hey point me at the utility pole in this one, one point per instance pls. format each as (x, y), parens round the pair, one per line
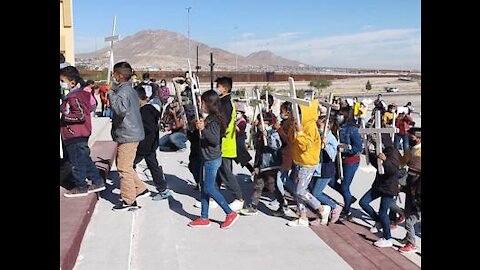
(188, 30)
(211, 70)
(197, 67)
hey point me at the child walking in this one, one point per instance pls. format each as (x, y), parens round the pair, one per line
(267, 160)
(76, 128)
(211, 130)
(147, 147)
(306, 153)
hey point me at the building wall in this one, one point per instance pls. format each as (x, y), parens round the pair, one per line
(66, 31)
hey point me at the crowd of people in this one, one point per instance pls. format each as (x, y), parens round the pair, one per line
(301, 156)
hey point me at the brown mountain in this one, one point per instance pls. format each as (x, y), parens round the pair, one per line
(167, 50)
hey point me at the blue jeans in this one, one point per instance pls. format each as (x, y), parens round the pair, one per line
(82, 165)
(317, 191)
(344, 188)
(382, 215)
(208, 188)
(404, 139)
(169, 142)
(107, 112)
(282, 177)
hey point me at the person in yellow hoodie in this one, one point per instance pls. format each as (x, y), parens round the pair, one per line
(306, 155)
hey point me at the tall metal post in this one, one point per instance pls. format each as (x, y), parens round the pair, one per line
(211, 70)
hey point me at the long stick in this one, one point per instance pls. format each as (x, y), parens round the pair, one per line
(339, 159)
(261, 118)
(296, 113)
(378, 124)
(192, 88)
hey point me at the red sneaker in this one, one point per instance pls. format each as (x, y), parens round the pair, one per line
(408, 248)
(400, 220)
(229, 220)
(199, 222)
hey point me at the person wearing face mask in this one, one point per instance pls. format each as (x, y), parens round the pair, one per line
(229, 143)
(267, 162)
(403, 123)
(413, 202)
(128, 132)
(283, 128)
(325, 172)
(164, 92)
(306, 156)
(76, 128)
(243, 157)
(386, 187)
(350, 147)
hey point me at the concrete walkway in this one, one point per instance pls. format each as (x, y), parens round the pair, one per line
(157, 236)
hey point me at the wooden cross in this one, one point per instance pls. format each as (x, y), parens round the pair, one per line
(259, 103)
(194, 88)
(329, 104)
(377, 131)
(111, 39)
(294, 100)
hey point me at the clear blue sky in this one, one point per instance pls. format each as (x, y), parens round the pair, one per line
(335, 33)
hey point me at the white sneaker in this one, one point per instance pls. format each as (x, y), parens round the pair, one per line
(211, 204)
(383, 243)
(325, 214)
(236, 205)
(298, 223)
(274, 203)
(376, 227)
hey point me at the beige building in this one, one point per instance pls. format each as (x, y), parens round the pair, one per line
(66, 31)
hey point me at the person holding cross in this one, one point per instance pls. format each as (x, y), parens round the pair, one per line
(413, 201)
(385, 187)
(350, 147)
(229, 142)
(306, 155)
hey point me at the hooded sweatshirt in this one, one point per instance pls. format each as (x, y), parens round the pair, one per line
(306, 143)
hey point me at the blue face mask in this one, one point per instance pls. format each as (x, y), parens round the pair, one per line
(340, 119)
(217, 91)
(268, 128)
(63, 85)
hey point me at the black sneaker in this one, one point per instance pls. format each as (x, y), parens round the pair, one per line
(346, 216)
(145, 193)
(96, 188)
(76, 192)
(122, 206)
(279, 212)
(250, 210)
(353, 200)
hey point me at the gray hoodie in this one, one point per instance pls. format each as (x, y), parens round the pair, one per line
(127, 123)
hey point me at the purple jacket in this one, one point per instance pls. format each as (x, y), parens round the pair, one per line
(76, 120)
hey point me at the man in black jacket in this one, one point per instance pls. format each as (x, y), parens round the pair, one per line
(385, 186)
(147, 148)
